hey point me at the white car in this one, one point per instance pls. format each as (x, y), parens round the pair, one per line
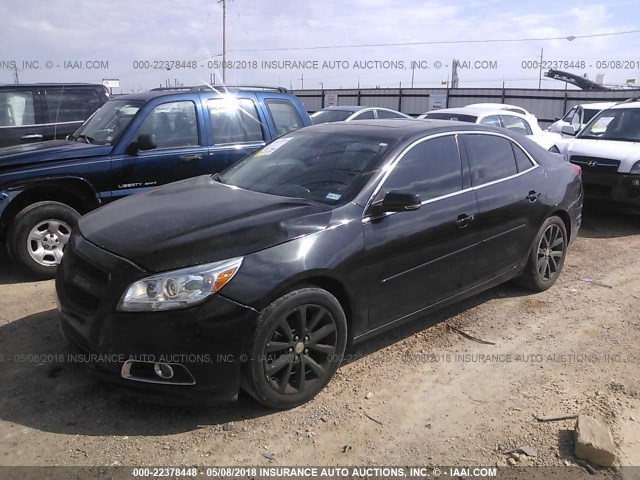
(579, 116)
(344, 113)
(502, 118)
(608, 150)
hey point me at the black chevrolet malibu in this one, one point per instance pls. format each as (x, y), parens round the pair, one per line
(259, 277)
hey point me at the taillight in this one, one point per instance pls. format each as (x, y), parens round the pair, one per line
(577, 169)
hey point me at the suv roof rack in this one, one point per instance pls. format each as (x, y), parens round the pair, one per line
(166, 89)
(201, 88)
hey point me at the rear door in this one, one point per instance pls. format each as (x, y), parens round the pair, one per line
(66, 108)
(422, 257)
(234, 129)
(507, 183)
(19, 117)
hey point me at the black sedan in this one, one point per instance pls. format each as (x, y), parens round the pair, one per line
(260, 276)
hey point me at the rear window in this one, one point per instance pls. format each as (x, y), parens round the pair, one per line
(492, 158)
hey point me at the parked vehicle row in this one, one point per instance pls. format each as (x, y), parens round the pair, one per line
(275, 246)
(131, 144)
(344, 113)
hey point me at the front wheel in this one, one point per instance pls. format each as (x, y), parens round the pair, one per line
(546, 257)
(297, 347)
(39, 235)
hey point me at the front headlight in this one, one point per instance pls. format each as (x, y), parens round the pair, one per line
(180, 288)
(636, 167)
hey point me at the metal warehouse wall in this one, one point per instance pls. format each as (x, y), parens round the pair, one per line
(544, 104)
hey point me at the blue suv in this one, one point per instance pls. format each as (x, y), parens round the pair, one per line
(131, 144)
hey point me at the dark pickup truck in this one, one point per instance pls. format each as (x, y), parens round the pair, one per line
(131, 144)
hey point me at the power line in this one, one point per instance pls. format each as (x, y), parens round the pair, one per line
(438, 42)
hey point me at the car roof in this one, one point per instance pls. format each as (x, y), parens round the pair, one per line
(8, 86)
(348, 108)
(597, 105)
(476, 111)
(631, 103)
(401, 128)
(498, 106)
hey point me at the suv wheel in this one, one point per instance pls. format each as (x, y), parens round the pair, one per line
(297, 347)
(38, 236)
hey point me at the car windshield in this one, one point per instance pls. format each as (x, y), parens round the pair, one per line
(614, 124)
(328, 167)
(107, 123)
(451, 116)
(328, 116)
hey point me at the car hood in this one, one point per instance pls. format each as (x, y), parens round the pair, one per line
(545, 139)
(32, 153)
(627, 152)
(199, 221)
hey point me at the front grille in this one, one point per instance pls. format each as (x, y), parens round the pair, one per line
(595, 164)
(85, 284)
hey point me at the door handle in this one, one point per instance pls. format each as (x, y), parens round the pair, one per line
(31, 136)
(533, 196)
(464, 220)
(189, 158)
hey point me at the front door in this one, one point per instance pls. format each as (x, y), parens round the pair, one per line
(180, 152)
(420, 258)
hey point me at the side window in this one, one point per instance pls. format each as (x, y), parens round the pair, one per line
(366, 115)
(388, 114)
(284, 116)
(569, 115)
(16, 109)
(70, 105)
(174, 125)
(576, 121)
(492, 158)
(431, 169)
(515, 124)
(492, 120)
(234, 120)
(522, 160)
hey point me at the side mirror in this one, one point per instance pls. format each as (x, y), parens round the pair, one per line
(146, 141)
(568, 130)
(396, 202)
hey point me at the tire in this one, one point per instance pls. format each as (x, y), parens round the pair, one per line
(287, 363)
(38, 236)
(546, 257)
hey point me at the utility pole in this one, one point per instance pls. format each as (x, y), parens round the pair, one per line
(413, 71)
(454, 74)
(540, 74)
(302, 81)
(16, 79)
(224, 39)
(321, 85)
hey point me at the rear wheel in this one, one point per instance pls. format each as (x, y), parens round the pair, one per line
(297, 347)
(546, 257)
(39, 235)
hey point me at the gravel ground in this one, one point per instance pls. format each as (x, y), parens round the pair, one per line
(422, 395)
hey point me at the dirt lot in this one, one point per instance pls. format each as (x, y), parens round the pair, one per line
(424, 395)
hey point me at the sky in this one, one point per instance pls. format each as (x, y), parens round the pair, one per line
(146, 44)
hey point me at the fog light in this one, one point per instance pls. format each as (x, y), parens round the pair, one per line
(635, 182)
(163, 370)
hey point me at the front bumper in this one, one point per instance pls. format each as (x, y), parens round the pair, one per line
(622, 189)
(203, 346)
